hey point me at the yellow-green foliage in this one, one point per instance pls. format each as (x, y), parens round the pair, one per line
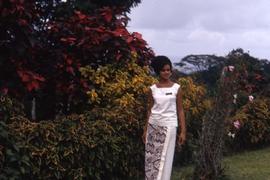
(8, 108)
(75, 147)
(194, 98)
(117, 84)
(118, 96)
(13, 163)
(118, 89)
(255, 122)
(195, 104)
(97, 144)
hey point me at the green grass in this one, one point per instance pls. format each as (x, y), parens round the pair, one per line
(250, 165)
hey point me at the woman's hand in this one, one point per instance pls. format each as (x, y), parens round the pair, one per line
(181, 138)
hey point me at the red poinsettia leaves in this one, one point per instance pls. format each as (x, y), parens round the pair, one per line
(132, 49)
(70, 70)
(32, 80)
(108, 17)
(19, 7)
(95, 40)
(118, 56)
(107, 14)
(121, 32)
(137, 35)
(4, 91)
(69, 61)
(84, 83)
(80, 15)
(100, 29)
(129, 39)
(25, 76)
(258, 77)
(22, 22)
(39, 78)
(34, 85)
(249, 87)
(70, 40)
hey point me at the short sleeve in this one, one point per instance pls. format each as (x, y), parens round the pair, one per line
(152, 87)
(177, 86)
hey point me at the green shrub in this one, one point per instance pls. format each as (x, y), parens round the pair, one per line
(195, 104)
(14, 164)
(254, 118)
(78, 147)
(8, 108)
(102, 143)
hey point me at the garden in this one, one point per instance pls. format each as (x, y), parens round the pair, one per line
(73, 86)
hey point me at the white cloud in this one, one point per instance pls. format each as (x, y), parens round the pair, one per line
(206, 36)
(179, 28)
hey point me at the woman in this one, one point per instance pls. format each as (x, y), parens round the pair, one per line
(165, 114)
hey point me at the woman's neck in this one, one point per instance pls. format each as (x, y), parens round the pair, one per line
(164, 81)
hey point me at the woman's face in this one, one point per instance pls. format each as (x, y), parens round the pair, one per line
(165, 72)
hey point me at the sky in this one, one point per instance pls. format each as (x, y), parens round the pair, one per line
(177, 28)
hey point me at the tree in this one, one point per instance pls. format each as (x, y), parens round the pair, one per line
(200, 62)
(208, 165)
(242, 76)
(43, 50)
(255, 75)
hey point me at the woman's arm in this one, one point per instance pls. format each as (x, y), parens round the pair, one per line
(181, 118)
(150, 103)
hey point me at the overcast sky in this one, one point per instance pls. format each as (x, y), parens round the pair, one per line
(177, 28)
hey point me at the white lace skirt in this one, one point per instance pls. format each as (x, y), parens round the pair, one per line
(159, 152)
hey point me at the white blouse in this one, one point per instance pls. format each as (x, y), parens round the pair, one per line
(164, 111)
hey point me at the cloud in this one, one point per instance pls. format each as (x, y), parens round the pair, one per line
(180, 28)
(206, 36)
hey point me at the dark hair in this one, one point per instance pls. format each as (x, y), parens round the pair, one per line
(158, 62)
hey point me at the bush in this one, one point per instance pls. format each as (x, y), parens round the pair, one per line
(76, 147)
(117, 95)
(254, 118)
(14, 164)
(9, 108)
(195, 104)
(102, 143)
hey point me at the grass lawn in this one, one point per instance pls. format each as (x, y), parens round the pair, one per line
(250, 165)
